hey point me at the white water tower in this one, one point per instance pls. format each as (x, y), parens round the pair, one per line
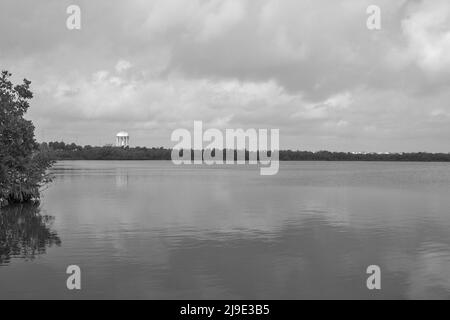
(122, 139)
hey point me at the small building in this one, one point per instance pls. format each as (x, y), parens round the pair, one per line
(122, 139)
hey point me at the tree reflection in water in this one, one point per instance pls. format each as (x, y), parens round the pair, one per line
(25, 233)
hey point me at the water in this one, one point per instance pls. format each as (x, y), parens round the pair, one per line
(153, 230)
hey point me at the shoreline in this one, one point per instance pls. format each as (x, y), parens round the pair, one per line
(287, 161)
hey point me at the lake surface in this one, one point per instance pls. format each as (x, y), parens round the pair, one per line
(152, 230)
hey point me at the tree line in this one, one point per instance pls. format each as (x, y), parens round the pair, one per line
(63, 151)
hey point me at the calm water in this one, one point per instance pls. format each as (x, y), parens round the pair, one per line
(153, 230)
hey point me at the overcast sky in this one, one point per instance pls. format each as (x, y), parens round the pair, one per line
(308, 67)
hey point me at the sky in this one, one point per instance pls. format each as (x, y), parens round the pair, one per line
(310, 68)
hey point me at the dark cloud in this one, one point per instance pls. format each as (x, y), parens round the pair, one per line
(310, 68)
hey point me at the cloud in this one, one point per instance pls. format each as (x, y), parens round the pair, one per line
(310, 68)
(427, 31)
(122, 65)
(110, 94)
(198, 20)
(222, 18)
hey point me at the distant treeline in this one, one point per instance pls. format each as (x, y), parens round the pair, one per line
(63, 151)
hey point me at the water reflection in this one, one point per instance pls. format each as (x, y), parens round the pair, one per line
(152, 230)
(311, 258)
(121, 179)
(25, 233)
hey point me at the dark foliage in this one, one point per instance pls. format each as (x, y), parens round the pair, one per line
(23, 164)
(62, 151)
(24, 232)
